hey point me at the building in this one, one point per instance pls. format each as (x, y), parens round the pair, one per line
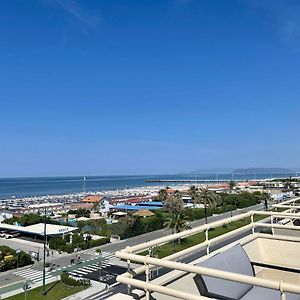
(92, 199)
(37, 230)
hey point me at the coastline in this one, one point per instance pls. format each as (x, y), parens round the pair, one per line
(41, 189)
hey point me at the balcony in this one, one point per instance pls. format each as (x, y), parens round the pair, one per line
(272, 253)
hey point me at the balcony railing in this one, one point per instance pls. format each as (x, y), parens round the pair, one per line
(130, 255)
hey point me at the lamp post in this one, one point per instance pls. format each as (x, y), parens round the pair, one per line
(17, 254)
(100, 265)
(205, 209)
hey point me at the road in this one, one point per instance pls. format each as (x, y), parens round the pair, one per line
(160, 233)
(121, 288)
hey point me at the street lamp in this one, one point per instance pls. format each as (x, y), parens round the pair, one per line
(17, 254)
(100, 265)
(205, 209)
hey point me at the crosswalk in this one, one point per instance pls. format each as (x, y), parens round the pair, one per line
(90, 266)
(33, 275)
(104, 254)
(100, 295)
(85, 270)
(108, 255)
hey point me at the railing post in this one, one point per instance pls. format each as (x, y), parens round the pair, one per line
(147, 273)
(272, 222)
(252, 223)
(206, 240)
(129, 271)
(282, 292)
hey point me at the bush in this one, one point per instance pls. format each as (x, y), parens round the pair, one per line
(66, 279)
(30, 219)
(60, 244)
(23, 259)
(99, 242)
(20, 259)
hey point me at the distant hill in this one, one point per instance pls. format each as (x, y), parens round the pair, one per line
(262, 171)
(208, 171)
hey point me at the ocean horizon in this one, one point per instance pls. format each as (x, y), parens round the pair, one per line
(42, 186)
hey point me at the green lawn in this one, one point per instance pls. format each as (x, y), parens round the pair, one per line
(56, 290)
(170, 248)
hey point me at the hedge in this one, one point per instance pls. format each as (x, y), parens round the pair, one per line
(57, 243)
(66, 279)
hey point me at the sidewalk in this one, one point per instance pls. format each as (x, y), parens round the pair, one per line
(19, 287)
(96, 287)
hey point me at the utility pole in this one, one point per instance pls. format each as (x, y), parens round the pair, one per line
(44, 263)
(100, 267)
(205, 209)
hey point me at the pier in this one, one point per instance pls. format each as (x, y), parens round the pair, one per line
(200, 180)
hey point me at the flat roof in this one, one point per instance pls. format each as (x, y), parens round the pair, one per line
(120, 213)
(38, 229)
(44, 205)
(135, 207)
(150, 203)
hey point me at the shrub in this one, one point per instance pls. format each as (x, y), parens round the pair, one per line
(99, 242)
(23, 259)
(66, 279)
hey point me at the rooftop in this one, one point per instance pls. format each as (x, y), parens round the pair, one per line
(38, 229)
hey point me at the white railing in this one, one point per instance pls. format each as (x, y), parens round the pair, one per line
(129, 254)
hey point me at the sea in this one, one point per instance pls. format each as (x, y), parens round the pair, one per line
(43, 186)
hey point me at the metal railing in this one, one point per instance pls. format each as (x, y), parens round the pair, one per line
(129, 254)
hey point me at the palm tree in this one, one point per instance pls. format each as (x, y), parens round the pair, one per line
(162, 195)
(266, 197)
(194, 194)
(288, 185)
(232, 184)
(174, 203)
(177, 223)
(209, 199)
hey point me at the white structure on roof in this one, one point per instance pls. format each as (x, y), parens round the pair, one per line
(38, 229)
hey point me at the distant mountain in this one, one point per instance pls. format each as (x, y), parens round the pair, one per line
(208, 171)
(262, 171)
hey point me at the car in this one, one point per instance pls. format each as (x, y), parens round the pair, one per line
(2, 233)
(12, 234)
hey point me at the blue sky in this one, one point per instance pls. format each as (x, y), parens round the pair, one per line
(140, 87)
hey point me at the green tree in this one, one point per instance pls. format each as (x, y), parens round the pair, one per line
(195, 195)
(177, 223)
(210, 199)
(232, 184)
(162, 195)
(174, 203)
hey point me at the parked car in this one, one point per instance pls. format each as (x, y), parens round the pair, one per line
(12, 234)
(2, 233)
